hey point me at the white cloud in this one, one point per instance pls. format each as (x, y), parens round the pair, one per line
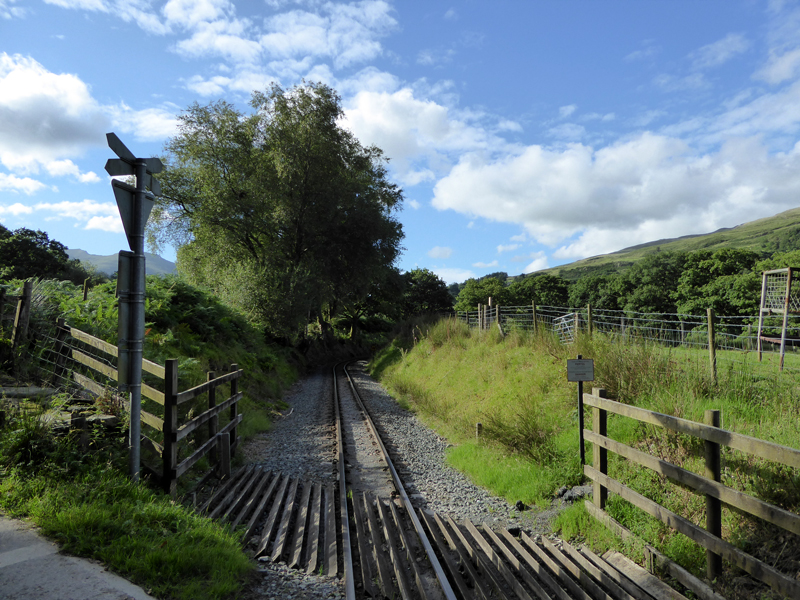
(720, 52)
(26, 185)
(111, 224)
(598, 117)
(98, 5)
(49, 119)
(15, 209)
(80, 211)
(440, 252)
(643, 188)
(414, 204)
(567, 131)
(453, 275)
(483, 265)
(88, 214)
(671, 83)
(44, 116)
(507, 125)
(648, 51)
(62, 168)
(9, 11)
(421, 137)
(150, 124)
(451, 14)
(506, 248)
(780, 67)
(346, 33)
(783, 62)
(435, 56)
(539, 262)
(566, 111)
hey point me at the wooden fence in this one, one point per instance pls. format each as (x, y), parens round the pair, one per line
(22, 314)
(715, 492)
(219, 443)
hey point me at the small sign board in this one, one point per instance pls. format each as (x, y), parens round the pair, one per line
(580, 369)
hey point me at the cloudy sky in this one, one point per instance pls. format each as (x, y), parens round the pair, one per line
(525, 133)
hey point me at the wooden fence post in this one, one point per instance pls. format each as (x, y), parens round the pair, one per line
(499, 321)
(599, 454)
(713, 505)
(213, 422)
(533, 304)
(224, 451)
(589, 319)
(23, 314)
(712, 351)
(85, 289)
(169, 479)
(234, 407)
(61, 351)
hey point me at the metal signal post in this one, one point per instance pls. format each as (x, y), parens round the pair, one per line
(135, 204)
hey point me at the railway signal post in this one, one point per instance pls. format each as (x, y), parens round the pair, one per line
(135, 204)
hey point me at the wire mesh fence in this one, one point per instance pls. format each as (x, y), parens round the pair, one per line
(735, 337)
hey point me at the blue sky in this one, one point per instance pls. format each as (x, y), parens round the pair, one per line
(525, 134)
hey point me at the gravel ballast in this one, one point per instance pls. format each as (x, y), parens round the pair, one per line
(302, 443)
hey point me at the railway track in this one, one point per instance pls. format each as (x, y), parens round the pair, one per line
(368, 532)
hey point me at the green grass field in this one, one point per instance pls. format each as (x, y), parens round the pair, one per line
(517, 388)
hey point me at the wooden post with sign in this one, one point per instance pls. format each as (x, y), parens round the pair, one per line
(580, 370)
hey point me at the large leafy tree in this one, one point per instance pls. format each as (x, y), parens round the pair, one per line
(282, 211)
(477, 292)
(544, 289)
(597, 289)
(649, 285)
(723, 280)
(425, 292)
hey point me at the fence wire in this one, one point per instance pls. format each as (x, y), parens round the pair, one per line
(735, 337)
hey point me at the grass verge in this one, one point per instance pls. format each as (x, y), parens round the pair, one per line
(84, 501)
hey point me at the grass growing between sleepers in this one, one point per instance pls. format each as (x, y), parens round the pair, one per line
(515, 386)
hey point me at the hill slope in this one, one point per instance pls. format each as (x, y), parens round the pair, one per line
(779, 233)
(154, 264)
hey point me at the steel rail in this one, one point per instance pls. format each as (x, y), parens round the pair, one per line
(349, 582)
(447, 589)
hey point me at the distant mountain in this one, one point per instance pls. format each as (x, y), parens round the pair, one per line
(779, 233)
(154, 264)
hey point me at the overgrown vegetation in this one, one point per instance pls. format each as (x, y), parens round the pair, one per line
(80, 496)
(516, 387)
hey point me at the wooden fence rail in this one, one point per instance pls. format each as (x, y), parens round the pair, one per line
(220, 443)
(709, 485)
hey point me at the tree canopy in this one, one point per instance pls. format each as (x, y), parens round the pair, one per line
(425, 292)
(27, 253)
(282, 211)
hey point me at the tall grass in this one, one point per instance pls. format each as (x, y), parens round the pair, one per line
(516, 387)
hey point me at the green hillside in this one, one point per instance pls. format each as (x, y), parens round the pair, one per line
(780, 233)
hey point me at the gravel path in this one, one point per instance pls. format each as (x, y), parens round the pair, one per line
(303, 443)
